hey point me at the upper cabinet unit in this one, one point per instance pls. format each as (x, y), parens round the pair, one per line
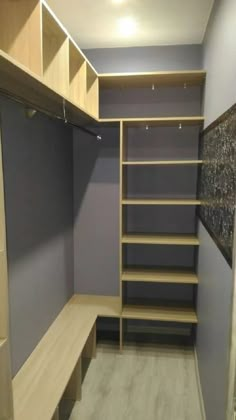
(55, 54)
(20, 34)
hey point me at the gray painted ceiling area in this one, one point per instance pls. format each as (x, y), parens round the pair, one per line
(130, 23)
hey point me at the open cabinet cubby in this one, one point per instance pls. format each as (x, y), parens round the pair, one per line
(55, 54)
(77, 74)
(20, 35)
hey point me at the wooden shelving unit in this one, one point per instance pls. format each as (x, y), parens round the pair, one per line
(164, 312)
(92, 96)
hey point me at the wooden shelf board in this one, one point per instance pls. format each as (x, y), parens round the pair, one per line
(160, 202)
(160, 313)
(159, 276)
(164, 78)
(163, 162)
(163, 121)
(104, 306)
(160, 239)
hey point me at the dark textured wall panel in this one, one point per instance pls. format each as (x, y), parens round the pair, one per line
(218, 180)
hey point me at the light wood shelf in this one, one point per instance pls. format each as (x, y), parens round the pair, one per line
(77, 76)
(165, 78)
(159, 276)
(55, 54)
(92, 95)
(160, 202)
(161, 162)
(104, 306)
(163, 121)
(181, 314)
(20, 35)
(160, 239)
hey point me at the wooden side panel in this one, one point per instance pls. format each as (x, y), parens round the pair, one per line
(92, 92)
(74, 388)
(6, 404)
(20, 35)
(77, 89)
(55, 55)
(89, 350)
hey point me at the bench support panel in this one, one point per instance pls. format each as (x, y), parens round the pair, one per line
(74, 388)
(56, 414)
(90, 350)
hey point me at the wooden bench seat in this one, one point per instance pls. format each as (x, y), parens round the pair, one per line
(53, 369)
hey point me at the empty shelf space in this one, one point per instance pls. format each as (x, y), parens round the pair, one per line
(160, 239)
(162, 162)
(160, 313)
(160, 202)
(104, 306)
(159, 276)
(165, 78)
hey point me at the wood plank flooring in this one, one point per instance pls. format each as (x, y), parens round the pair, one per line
(157, 382)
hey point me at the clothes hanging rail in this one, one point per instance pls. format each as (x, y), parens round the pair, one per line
(34, 109)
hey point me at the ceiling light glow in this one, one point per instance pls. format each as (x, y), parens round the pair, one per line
(127, 26)
(118, 1)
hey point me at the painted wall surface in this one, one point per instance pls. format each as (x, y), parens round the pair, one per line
(219, 60)
(160, 58)
(215, 276)
(38, 172)
(96, 213)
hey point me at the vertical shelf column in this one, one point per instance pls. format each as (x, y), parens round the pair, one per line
(6, 403)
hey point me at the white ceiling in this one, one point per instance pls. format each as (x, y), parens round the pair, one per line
(94, 23)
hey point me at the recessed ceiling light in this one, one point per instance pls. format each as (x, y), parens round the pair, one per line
(118, 1)
(127, 26)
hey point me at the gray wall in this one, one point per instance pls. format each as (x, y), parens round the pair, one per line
(160, 58)
(96, 213)
(219, 60)
(215, 276)
(38, 171)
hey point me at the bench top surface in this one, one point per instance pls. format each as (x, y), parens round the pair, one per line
(41, 382)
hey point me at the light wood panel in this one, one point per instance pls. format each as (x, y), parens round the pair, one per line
(163, 162)
(89, 350)
(159, 276)
(165, 78)
(55, 54)
(160, 202)
(163, 121)
(92, 94)
(6, 411)
(104, 306)
(160, 313)
(74, 387)
(20, 34)
(55, 357)
(77, 76)
(160, 239)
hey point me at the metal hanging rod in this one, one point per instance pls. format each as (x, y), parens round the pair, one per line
(31, 110)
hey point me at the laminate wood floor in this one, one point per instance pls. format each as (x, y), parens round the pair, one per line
(143, 383)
